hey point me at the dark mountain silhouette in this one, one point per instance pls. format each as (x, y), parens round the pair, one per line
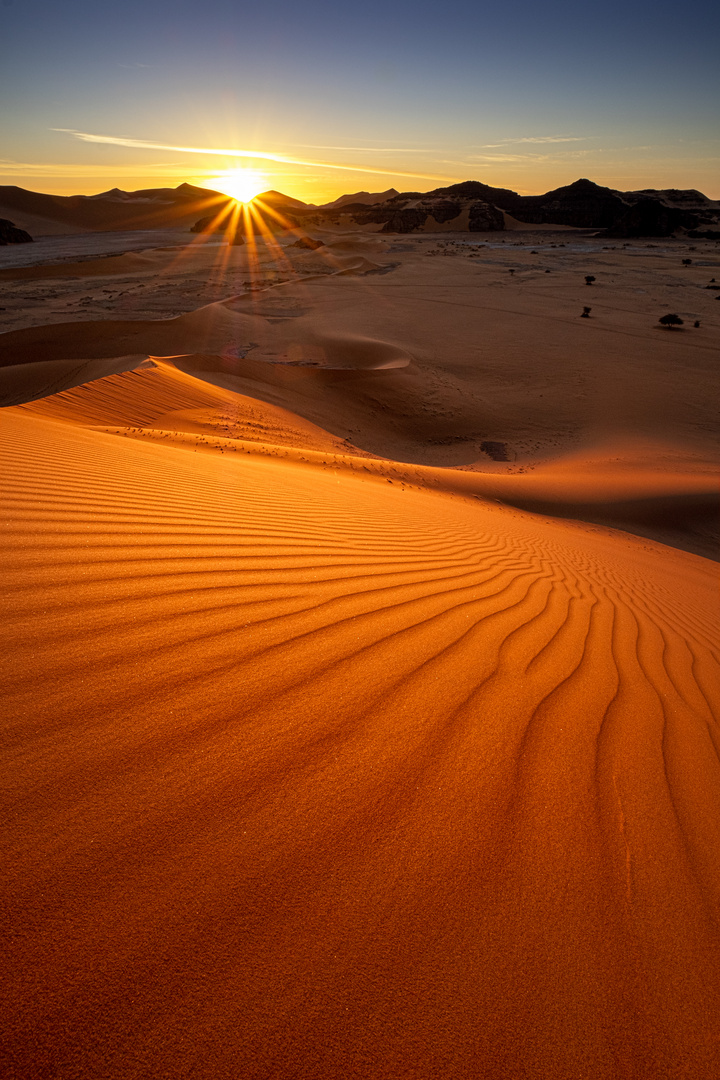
(361, 198)
(150, 208)
(468, 206)
(477, 207)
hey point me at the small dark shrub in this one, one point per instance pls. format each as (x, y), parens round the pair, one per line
(589, 278)
(670, 321)
(586, 313)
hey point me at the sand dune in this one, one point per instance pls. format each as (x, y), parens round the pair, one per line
(335, 744)
(373, 781)
(649, 488)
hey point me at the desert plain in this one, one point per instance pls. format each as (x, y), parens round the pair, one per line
(360, 658)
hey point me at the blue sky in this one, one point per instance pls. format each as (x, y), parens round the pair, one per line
(522, 95)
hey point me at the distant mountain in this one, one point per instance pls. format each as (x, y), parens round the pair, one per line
(151, 208)
(476, 207)
(277, 199)
(363, 198)
(469, 206)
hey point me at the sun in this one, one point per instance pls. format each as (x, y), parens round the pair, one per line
(240, 184)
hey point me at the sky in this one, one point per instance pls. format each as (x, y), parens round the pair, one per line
(322, 98)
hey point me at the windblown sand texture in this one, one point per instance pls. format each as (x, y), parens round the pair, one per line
(335, 744)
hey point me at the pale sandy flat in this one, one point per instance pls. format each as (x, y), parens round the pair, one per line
(360, 666)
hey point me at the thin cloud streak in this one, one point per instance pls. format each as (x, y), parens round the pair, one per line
(53, 169)
(368, 149)
(281, 159)
(535, 139)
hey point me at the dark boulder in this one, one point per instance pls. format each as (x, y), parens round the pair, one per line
(206, 224)
(309, 243)
(10, 234)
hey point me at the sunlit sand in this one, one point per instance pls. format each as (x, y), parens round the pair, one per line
(360, 672)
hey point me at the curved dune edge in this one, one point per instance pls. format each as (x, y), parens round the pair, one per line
(312, 775)
(158, 400)
(127, 262)
(214, 331)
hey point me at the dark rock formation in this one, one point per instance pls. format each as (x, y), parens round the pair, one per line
(10, 234)
(583, 205)
(206, 224)
(308, 242)
(650, 217)
(485, 218)
(410, 211)
(403, 220)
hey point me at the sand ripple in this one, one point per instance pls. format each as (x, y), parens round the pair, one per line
(311, 776)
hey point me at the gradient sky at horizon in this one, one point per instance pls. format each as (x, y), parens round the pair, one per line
(525, 96)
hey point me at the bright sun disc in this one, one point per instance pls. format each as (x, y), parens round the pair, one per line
(240, 184)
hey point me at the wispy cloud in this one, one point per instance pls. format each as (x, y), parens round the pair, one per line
(132, 66)
(261, 155)
(535, 139)
(55, 169)
(473, 159)
(368, 149)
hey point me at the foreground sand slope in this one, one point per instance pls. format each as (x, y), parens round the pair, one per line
(310, 775)
(652, 488)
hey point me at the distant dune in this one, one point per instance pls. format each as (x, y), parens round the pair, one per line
(153, 208)
(360, 669)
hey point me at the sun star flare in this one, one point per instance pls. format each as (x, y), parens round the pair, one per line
(240, 184)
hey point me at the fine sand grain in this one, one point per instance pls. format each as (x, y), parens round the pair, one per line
(343, 736)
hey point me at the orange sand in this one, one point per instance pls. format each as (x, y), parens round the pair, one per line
(323, 757)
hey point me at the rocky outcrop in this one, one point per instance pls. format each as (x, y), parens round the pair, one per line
(485, 218)
(206, 225)
(650, 217)
(10, 234)
(413, 211)
(308, 243)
